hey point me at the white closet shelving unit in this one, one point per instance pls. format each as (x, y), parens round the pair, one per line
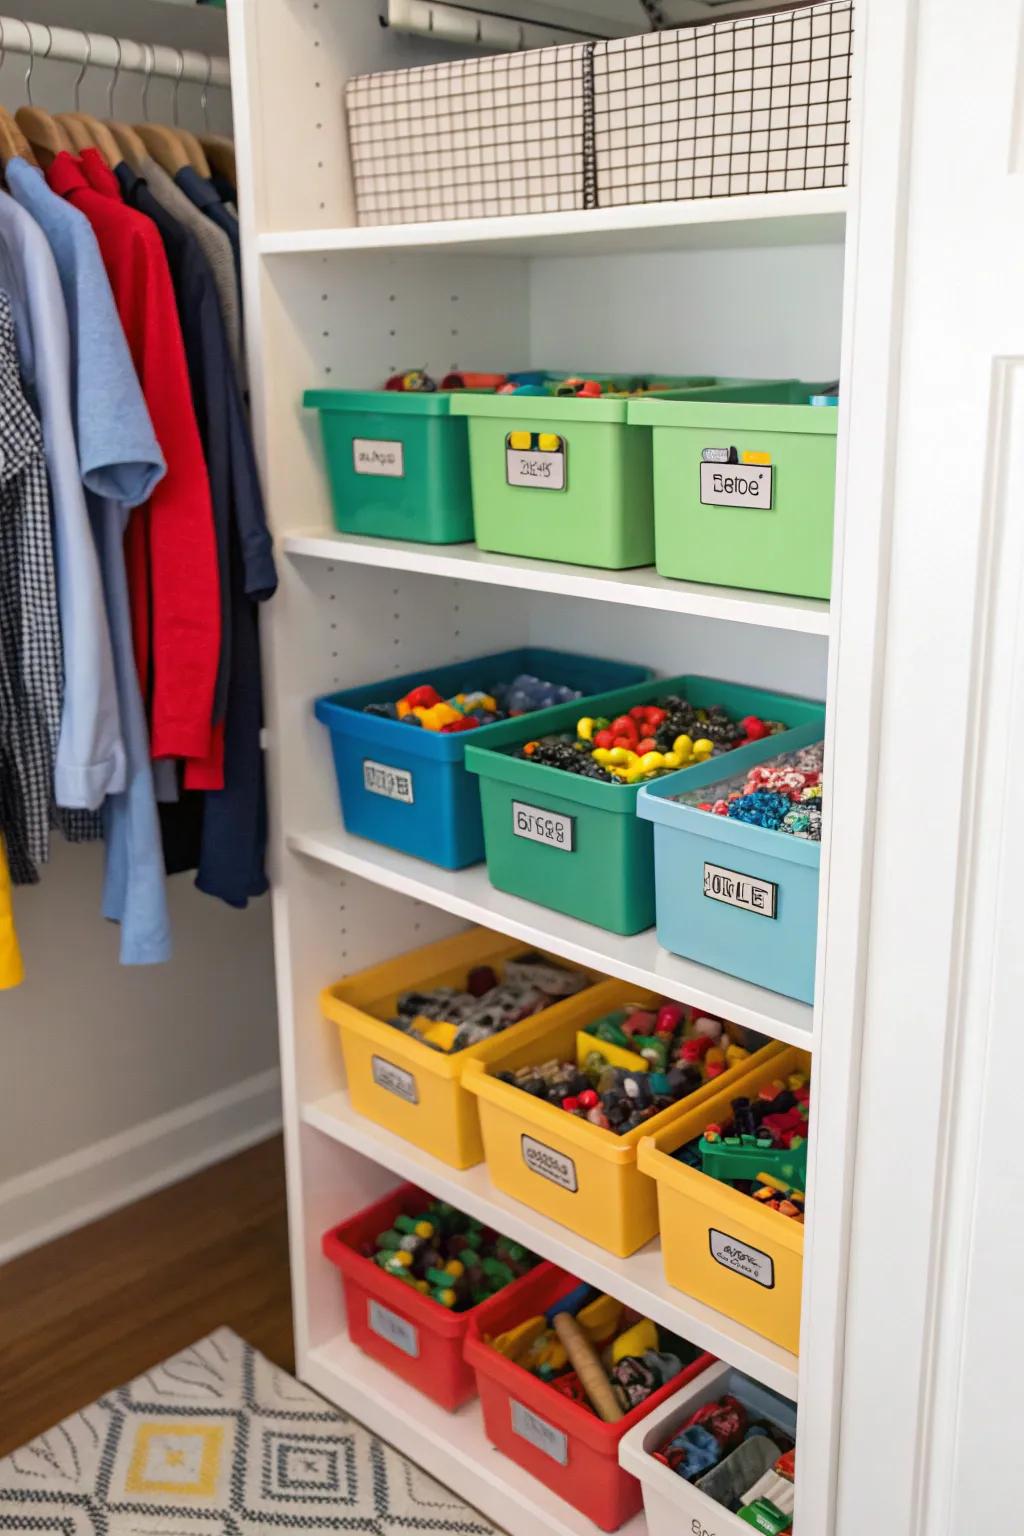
(744, 285)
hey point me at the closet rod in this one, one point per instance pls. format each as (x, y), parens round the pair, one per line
(73, 45)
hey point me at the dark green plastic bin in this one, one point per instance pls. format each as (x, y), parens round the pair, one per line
(398, 463)
(603, 870)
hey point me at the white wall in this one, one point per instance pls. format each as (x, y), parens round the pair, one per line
(114, 1080)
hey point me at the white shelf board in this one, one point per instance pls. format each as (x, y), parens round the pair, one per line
(639, 1281)
(642, 588)
(640, 959)
(713, 223)
(451, 1446)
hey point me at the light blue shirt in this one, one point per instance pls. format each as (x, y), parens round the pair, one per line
(120, 462)
(90, 752)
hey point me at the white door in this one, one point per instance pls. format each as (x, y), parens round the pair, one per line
(932, 1413)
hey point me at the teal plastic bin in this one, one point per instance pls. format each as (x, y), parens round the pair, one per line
(764, 525)
(576, 845)
(397, 462)
(566, 478)
(740, 898)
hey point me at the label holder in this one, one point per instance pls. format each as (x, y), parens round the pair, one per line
(557, 1167)
(394, 1330)
(553, 829)
(388, 782)
(747, 892)
(381, 456)
(747, 486)
(537, 1432)
(743, 1260)
(536, 469)
(394, 1079)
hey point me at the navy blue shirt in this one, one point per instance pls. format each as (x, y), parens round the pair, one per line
(199, 191)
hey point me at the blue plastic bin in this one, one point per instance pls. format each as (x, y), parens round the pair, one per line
(770, 936)
(409, 788)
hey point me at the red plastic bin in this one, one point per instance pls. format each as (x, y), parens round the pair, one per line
(564, 1445)
(414, 1336)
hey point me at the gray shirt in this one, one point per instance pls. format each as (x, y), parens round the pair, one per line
(215, 246)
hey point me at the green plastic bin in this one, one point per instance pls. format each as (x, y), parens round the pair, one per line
(761, 526)
(577, 845)
(397, 463)
(588, 501)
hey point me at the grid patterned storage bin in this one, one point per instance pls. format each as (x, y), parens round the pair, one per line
(759, 104)
(756, 104)
(497, 135)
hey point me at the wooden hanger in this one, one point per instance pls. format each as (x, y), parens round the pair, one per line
(129, 145)
(196, 158)
(165, 147)
(100, 134)
(221, 154)
(12, 141)
(76, 130)
(46, 136)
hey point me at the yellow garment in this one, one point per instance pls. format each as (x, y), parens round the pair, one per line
(11, 972)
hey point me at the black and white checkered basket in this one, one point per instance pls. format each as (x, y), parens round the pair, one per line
(756, 104)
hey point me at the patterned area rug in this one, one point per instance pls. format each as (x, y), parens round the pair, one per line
(219, 1442)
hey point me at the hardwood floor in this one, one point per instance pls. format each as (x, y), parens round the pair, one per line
(103, 1304)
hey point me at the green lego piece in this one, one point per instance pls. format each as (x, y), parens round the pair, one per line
(610, 1030)
(765, 1516)
(744, 1157)
(653, 1048)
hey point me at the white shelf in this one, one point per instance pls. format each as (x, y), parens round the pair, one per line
(642, 588)
(639, 1281)
(451, 1446)
(640, 959)
(762, 219)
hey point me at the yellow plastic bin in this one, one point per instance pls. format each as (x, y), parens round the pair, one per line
(718, 1244)
(579, 1174)
(415, 1091)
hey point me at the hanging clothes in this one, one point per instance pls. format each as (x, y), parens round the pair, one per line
(224, 835)
(90, 751)
(31, 667)
(12, 972)
(171, 552)
(121, 465)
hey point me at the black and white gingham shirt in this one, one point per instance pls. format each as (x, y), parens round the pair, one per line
(31, 671)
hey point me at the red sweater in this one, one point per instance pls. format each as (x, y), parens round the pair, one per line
(170, 546)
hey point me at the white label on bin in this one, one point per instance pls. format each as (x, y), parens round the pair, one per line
(402, 1334)
(394, 1080)
(553, 1442)
(544, 470)
(751, 1263)
(378, 456)
(548, 827)
(736, 485)
(736, 890)
(392, 783)
(561, 1170)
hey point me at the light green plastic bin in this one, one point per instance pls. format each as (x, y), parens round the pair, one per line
(764, 526)
(581, 491)
(397, 462)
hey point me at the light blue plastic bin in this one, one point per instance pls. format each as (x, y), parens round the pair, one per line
(422, 800)
(775, 951)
